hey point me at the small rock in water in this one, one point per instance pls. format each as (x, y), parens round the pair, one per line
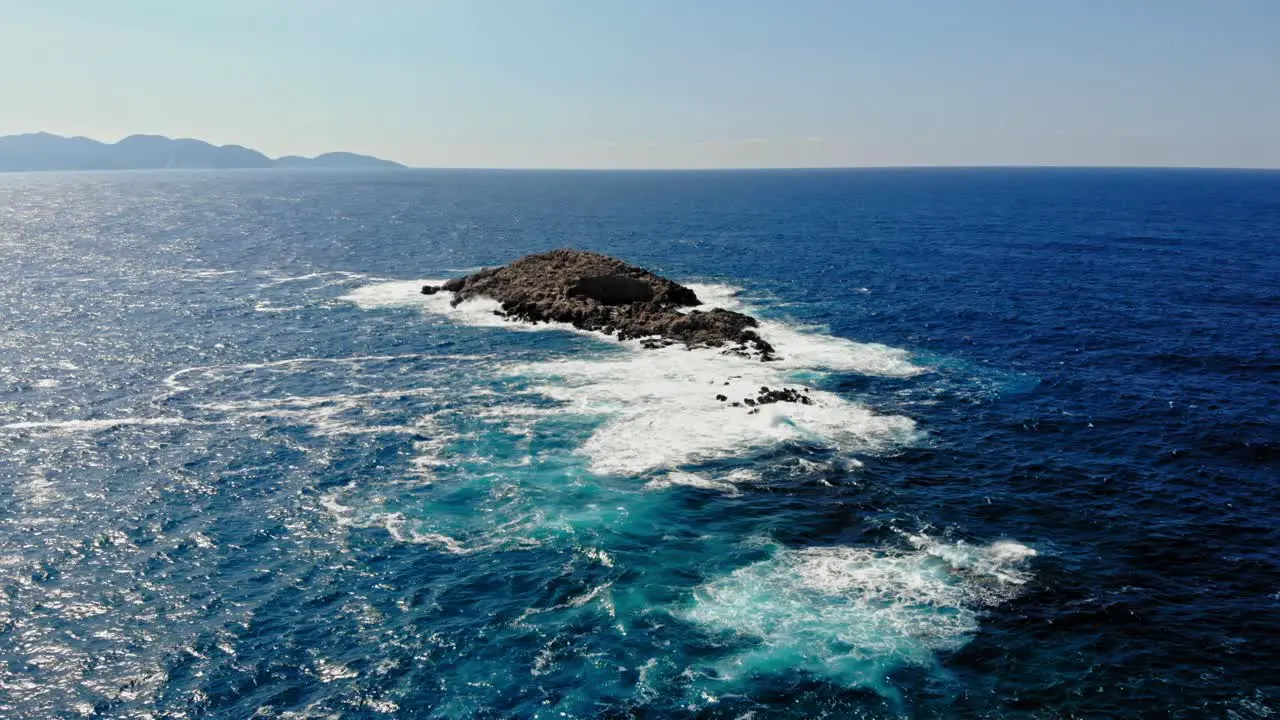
(768, 396)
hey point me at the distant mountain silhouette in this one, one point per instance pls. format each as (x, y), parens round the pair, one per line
(42, 151)
(337, 161)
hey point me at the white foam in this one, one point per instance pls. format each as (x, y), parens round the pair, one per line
(393, 293)
(601, 591)
(695, 480)
(802, 347)
(404, 529)
(408, 294)
(999, 560)
(327, 671)
(726, 483)
(663, 412)
(266, 307)
(599, 556)
(339, 277)
(93, 425)
(326, 415)
(851, 614)
(204, 273)
(811, 350)
(172, 383)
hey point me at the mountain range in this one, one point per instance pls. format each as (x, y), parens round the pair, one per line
(43, 151)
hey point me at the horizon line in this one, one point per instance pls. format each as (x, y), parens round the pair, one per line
(552, 168)
(727, 169)
(905, 166)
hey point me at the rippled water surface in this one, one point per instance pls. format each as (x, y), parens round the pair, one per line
(247, 470)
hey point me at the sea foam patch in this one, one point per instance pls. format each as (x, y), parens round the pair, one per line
(71, 426)
(852, 614)
(478, 312)
(662, 409)
(808, 348)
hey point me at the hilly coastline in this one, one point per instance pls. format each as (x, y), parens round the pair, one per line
(36, 152)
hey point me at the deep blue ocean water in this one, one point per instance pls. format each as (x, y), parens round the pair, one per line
(246, 470)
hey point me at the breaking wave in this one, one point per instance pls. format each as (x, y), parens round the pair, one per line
(852, 614)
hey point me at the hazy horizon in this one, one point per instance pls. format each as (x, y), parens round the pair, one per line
(565, 84)
(532, 168)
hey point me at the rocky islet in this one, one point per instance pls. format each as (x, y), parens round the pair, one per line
(604, 294)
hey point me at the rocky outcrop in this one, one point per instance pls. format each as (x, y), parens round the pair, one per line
(596, 292)
(768, 397)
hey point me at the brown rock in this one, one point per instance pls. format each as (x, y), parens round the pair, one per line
(596, 292)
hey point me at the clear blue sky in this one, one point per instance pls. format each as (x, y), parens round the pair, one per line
(661, 83)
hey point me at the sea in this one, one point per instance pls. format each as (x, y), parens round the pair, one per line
(247, 470)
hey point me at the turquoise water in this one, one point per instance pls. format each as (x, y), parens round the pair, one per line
(250, 471)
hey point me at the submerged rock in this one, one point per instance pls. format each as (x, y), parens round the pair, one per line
(768, 397)
(596, 292)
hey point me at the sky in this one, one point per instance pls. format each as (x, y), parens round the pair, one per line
(661, 83)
